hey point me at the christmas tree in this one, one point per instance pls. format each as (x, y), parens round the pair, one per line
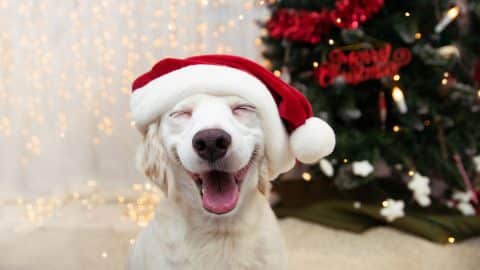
(398, 81)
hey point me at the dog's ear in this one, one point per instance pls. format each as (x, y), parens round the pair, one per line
(151, 157)
(264, 184)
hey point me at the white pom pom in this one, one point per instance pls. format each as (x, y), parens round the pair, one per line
(312, 141)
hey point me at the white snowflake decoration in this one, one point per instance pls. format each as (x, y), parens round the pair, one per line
(476, 160)
(466, 209)
(419, 185)
(362, 168)
(326, 167)
(464, 205)
(462, 196)
(392, 210)
(423, 200)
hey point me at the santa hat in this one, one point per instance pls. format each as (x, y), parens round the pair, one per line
(291, 132)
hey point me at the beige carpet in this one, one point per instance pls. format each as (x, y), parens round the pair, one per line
(77, 239)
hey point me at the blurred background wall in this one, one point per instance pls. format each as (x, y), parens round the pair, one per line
(65, 73)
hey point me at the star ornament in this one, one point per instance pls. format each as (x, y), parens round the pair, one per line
(392, 209)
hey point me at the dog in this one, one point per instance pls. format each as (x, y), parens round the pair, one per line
(207, 155)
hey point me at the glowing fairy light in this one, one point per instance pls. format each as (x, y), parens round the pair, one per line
(451, 240)
(306, 176)
(399, 99)
(447, 19)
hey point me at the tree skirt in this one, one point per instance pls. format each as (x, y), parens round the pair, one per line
(75, 238)
(318, 203)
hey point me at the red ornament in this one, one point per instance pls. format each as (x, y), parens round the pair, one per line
(476, 72)
(311, 26)
(382, 107)
(299, 25)
(351, 13)
(364, 65)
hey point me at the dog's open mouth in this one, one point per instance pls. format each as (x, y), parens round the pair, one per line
(220, 190)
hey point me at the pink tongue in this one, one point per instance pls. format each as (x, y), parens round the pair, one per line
(220, 192)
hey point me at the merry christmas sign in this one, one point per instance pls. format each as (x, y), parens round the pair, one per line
(362, 65)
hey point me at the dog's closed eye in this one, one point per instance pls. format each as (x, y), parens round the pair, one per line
(241, 108)
(181, 113)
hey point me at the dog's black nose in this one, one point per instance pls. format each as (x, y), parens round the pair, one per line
(211, 144)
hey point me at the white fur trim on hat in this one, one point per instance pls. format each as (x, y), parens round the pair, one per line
(312, 141)
(149, 102)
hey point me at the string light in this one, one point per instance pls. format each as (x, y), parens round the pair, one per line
(104, 254)
(137, 187)
(91, 183)
(277, 73)
(451, 240)
(306, 176)
(407, 14)
(106, 45)
(411, 173)
(396, 128)
(357, 205)
(331, 42)
(418, 35)
(396, 77)
(447, 19)
(399, 98)
(315, 65)
(33, 145)
(385, 203)
(444, 81)
(5, 126)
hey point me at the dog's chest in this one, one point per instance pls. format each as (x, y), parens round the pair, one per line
(168, 243)
(214, 251)
(222, 251)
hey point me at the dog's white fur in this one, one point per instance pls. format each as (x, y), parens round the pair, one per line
(183, 235)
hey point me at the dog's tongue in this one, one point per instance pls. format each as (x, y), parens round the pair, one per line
(220, 192)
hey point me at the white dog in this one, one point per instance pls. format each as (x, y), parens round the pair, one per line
(207, 155)
(217, 129)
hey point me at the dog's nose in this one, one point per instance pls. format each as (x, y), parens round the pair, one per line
(211, 144)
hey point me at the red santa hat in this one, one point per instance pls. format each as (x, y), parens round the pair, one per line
(291, 132)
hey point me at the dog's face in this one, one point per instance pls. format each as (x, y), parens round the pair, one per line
(214, 148)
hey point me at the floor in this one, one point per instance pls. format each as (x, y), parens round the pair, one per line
(105, 233)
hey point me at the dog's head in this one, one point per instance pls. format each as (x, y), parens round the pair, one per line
(208, 152)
